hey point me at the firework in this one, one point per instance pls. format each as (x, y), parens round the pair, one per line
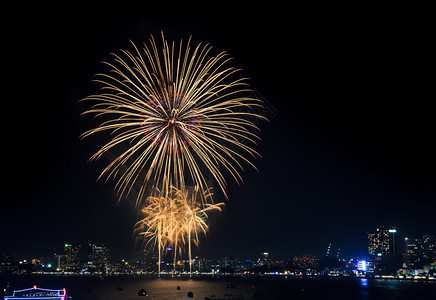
(182, 115)
(175, 219)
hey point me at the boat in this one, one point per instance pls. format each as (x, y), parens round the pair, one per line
(39, 293)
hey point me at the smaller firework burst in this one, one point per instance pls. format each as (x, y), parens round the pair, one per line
(175, 219)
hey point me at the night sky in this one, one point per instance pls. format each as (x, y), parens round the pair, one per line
(349, 146)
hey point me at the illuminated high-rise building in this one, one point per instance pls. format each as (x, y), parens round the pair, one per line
(381, 241)
(98, 256)
(71, 257)
(420, 252)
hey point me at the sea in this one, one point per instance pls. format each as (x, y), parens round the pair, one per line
(127, 287)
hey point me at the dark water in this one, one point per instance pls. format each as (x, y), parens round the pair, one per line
(94, 288)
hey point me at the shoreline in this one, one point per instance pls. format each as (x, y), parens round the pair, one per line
(216, 276)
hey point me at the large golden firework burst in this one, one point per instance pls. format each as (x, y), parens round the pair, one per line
(182, 114)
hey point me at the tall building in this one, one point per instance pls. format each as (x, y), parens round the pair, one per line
(59, 261)
(429, 242)
(71, 257)
(98, 256)
(167, 259)
(420, 252)
(382, 241)
(382, 250)
(149, 259)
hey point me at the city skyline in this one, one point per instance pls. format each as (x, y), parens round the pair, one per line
(380, 240)
(417, 261)
(348, 146)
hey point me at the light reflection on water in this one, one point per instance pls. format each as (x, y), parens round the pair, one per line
(364, 294)
(162, 289)
(126, 288)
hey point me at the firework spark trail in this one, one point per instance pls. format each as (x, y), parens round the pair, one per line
(174, 107)
(175, 219)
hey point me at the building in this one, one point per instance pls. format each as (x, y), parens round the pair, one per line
(8, 263)
(420, 252)
(167, 260)
(227, 263)
(245, 264)
(59, 261)
(304, 262)
(71, 257)
(382, 249)
(429, 245)
(149, 259)
(382, 241)
(98, 256)
(358, 266)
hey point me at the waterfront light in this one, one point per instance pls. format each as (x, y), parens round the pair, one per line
(362, 265)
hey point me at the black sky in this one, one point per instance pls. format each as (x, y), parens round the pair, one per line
(350, 144)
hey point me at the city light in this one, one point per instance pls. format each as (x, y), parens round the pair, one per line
(392, 230)
(38, 293)
(362, 265)
(417, 262)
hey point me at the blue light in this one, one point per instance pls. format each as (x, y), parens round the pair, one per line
(362, 265)
(38, 293)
